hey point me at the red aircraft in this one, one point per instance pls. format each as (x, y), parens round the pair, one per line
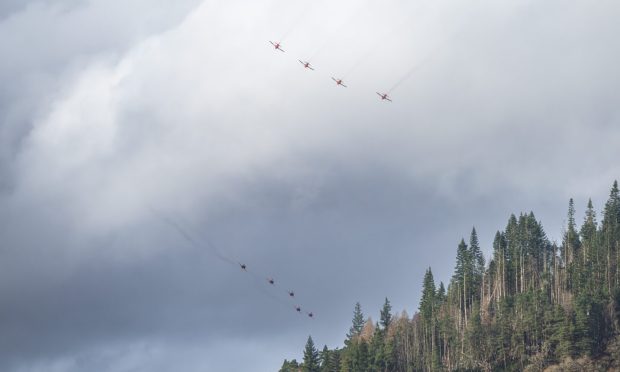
(243, 267)
(271, 281)
(291, 293)
(276, 45)
(384, 96)
(306, 64)
(310, 315)
(338, 82)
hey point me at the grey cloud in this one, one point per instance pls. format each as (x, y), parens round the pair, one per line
(187, 113)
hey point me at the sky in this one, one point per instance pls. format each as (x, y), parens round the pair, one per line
(147, 147)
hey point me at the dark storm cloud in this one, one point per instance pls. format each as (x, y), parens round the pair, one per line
(189, 115)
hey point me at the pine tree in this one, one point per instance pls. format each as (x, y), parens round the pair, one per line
(324, 357)
(534, 305)
(502, 261)
(291, 366)
(361, 357)
(386, 316)
(476, 266)
(583, 340)
(441, 294)
(610, 233)
(427, 303)
(571, 248)
(358, 322)
(378, 359)
(334, 361)
(311, 357)
(476, 253)
(429, 321)
(591, 267)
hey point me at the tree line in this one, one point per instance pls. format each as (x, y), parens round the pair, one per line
(532, 305)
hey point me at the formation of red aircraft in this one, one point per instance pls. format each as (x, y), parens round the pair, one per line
(339, 82)
(290, 293)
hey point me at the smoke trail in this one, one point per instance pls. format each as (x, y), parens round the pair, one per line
(375, 45)
(190, 239)
(213, 249)
(405, 77)
(331, 37)
(418, 66)
(297, 21)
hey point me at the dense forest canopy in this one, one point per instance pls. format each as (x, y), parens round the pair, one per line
(534, 304)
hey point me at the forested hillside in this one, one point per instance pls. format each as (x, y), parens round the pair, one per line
(534, 304)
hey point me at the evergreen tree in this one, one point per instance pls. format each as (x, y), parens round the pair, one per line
(324, 357)
(291, 366)
(386, 316)
(534, 305)
(477, 258)
(610, 233)
(427, 303)
(334, 361)
(591, 259)
(378, 358)
(429, 321)
(358, 322)
(571, 248)
(311, 357)
(441, 293)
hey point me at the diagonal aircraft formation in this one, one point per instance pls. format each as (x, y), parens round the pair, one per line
(267, 284)
(206, 245)
(277, 45)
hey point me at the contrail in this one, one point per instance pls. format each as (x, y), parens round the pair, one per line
(297, 21)
(213, 249)
(190, 239)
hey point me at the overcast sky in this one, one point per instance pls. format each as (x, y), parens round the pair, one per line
(123, 121)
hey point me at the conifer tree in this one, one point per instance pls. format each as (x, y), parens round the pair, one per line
(441, 294)
(358, 322)
(610, 233)
(534, 305)
(324, 357)
(463, 279)
(427, 303)
(590, 260)
(378, 358)
(311, 357)
(477, 265)
(429, 323)
(386, 316)
(291, 366)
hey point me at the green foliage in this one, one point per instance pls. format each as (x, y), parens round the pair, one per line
(386, 316)
(311, 357)
(358, 322)
(291, 366)
(427, 303)
(533, 305)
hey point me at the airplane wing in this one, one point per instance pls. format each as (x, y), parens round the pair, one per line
(334, 80)
(389, 99)
(343, 85)
(379, 94)
(272, 43)
(310, 68)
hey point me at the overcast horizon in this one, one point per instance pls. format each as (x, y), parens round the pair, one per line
(126, 124)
